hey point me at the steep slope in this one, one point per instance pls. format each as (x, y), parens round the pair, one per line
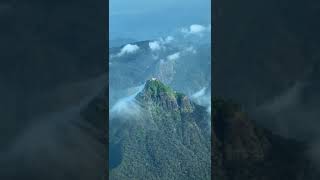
(243, 151)
(169, 140)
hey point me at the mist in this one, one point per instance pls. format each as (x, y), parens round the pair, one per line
(144, 19)
(203, 98)
(59, 142)
(163, 58)
(180, 59)
(127, 107)
(294, 114)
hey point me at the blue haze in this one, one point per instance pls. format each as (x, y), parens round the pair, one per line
(147, 19)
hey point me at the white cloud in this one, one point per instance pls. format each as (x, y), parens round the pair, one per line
(154, 46)
(196, 29)
(128, 49)
(209, 109)
(174, 56)
(202, 98)
(199, 93)
(160, 44)
(168, 39)
(127, 107)
(162, 61)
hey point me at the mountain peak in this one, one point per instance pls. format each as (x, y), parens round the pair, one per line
(171, 126)
(155, 87)
(158, 93)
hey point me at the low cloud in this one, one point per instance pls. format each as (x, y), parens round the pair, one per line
(166, 40)
(199, 93)
(127, 107)
(174, 56)
(161, 43)
(154, 46)
(196, 29)
(203, 98)
(128, 49)
(286, 100)
(59, 140)
(292, 115)
(169, 39)
(164, 57)
(284, 112)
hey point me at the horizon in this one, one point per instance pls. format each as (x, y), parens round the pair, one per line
(156, 18)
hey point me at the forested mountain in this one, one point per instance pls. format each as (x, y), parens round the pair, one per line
(168, 138)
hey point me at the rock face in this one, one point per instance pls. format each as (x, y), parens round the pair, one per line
(170, 139)
(243, 151)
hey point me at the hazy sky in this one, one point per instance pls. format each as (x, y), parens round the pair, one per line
(145, 19)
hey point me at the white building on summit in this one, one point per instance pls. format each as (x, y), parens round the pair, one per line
(153, 79)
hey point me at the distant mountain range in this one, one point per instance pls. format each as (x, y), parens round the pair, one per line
(116, 42)
(188, 73)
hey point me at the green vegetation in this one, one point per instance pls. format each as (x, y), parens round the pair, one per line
(167, 143)
(155, 88)
(179, 95)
